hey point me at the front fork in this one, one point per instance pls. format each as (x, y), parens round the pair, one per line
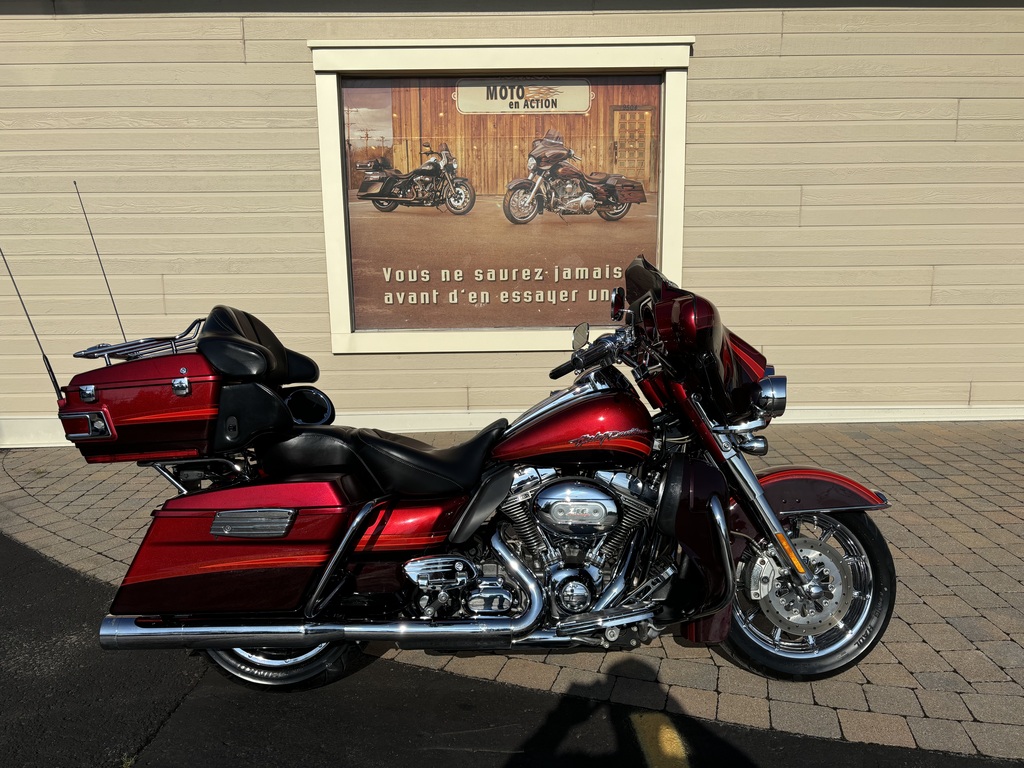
(745, 480)
(536, 186)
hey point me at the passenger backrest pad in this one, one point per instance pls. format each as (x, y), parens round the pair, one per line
(242, 347)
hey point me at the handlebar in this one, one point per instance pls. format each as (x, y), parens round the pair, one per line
(610, 345)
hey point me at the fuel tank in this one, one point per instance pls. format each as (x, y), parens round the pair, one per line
(599, 420)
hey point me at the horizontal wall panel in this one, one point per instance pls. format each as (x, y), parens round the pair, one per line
(992, 109)
(823, 132)
(921, 193)
(995, 295)
(196, 202)
(756, 257)
(157, 74)
(901, 43)
(92, 183)
(99, 28)
(887, 215)
(853, 173)
(984, 392)
(900, 354)
(854, 153)
(86, 120)
(981, 274)
(167, 95)
(812, 276)
(141, 246)
(904, 374)
(746, 88)
(704, 196)
(157, 161)
(746, 216)
(789, 298)
(960, 21)
(990, 130)
(121, 51)
(141, 140)
(216, 223)
(858, 66)
(768, 335)
(805, 110)
(867, 394)
(856, 235)
(225, 265)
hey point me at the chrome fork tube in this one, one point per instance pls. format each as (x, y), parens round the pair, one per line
(536, 186)
(752, 491)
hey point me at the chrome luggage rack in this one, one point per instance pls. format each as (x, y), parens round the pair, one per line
(157, 345)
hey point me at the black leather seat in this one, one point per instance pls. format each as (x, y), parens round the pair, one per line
(396, 464)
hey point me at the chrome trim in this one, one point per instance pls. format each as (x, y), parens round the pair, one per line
(87, 392)
(315, 601)
(487, 633)
(181, 387)
(99, 427)
(600, 620)
(268, 523)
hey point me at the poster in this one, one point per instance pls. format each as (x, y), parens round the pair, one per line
(422, 255)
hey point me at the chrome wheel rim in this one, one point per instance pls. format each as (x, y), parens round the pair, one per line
(777, 618)
(278, 657)
(519, 206)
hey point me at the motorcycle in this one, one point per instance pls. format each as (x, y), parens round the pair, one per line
(556, 184)
(433, 184)
(592, 520)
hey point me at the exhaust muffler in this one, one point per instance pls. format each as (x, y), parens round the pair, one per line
(489, 633)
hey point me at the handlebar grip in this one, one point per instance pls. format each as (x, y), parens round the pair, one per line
(567, 367)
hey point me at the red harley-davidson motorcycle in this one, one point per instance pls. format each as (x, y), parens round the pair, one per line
(556, 184)
(586, 522)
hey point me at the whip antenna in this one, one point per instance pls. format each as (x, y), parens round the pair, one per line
(95, 248)
(46, 361)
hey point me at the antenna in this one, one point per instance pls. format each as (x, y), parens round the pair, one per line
(46, 362)
(109, 292)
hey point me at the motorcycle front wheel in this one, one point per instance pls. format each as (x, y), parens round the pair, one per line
(615, 213)
(285, 668)
(517, 208)
(461, 199)
(778, 632)
(385, 206)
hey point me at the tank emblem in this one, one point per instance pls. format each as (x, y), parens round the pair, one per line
(602, 437)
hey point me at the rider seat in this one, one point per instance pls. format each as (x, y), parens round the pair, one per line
(397, 464)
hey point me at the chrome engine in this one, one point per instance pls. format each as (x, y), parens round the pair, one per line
(570, 197)
(572, 532)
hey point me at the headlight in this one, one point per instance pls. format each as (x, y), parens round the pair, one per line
(531, 163)
(770, 396)
(455, 165)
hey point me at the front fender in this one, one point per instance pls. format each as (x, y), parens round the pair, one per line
(519, 184)
(810, 489)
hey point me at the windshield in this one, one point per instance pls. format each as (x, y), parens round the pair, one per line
(643, 278)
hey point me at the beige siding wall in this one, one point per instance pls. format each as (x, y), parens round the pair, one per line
(854, 200)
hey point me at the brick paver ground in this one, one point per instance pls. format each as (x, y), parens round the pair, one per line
(948, 675)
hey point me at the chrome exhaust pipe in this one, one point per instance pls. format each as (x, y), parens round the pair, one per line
(497, 633)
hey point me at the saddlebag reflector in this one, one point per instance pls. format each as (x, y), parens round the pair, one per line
(253, 523)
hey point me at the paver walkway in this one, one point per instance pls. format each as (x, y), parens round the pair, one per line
(948, 675)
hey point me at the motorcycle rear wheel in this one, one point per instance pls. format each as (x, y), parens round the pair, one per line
(781, 634)
(462, 198)
(286, 668)
(614, 214)
(385, 206)
(516, 209)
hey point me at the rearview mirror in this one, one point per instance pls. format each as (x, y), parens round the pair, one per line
(618, 304)
(580, 336)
